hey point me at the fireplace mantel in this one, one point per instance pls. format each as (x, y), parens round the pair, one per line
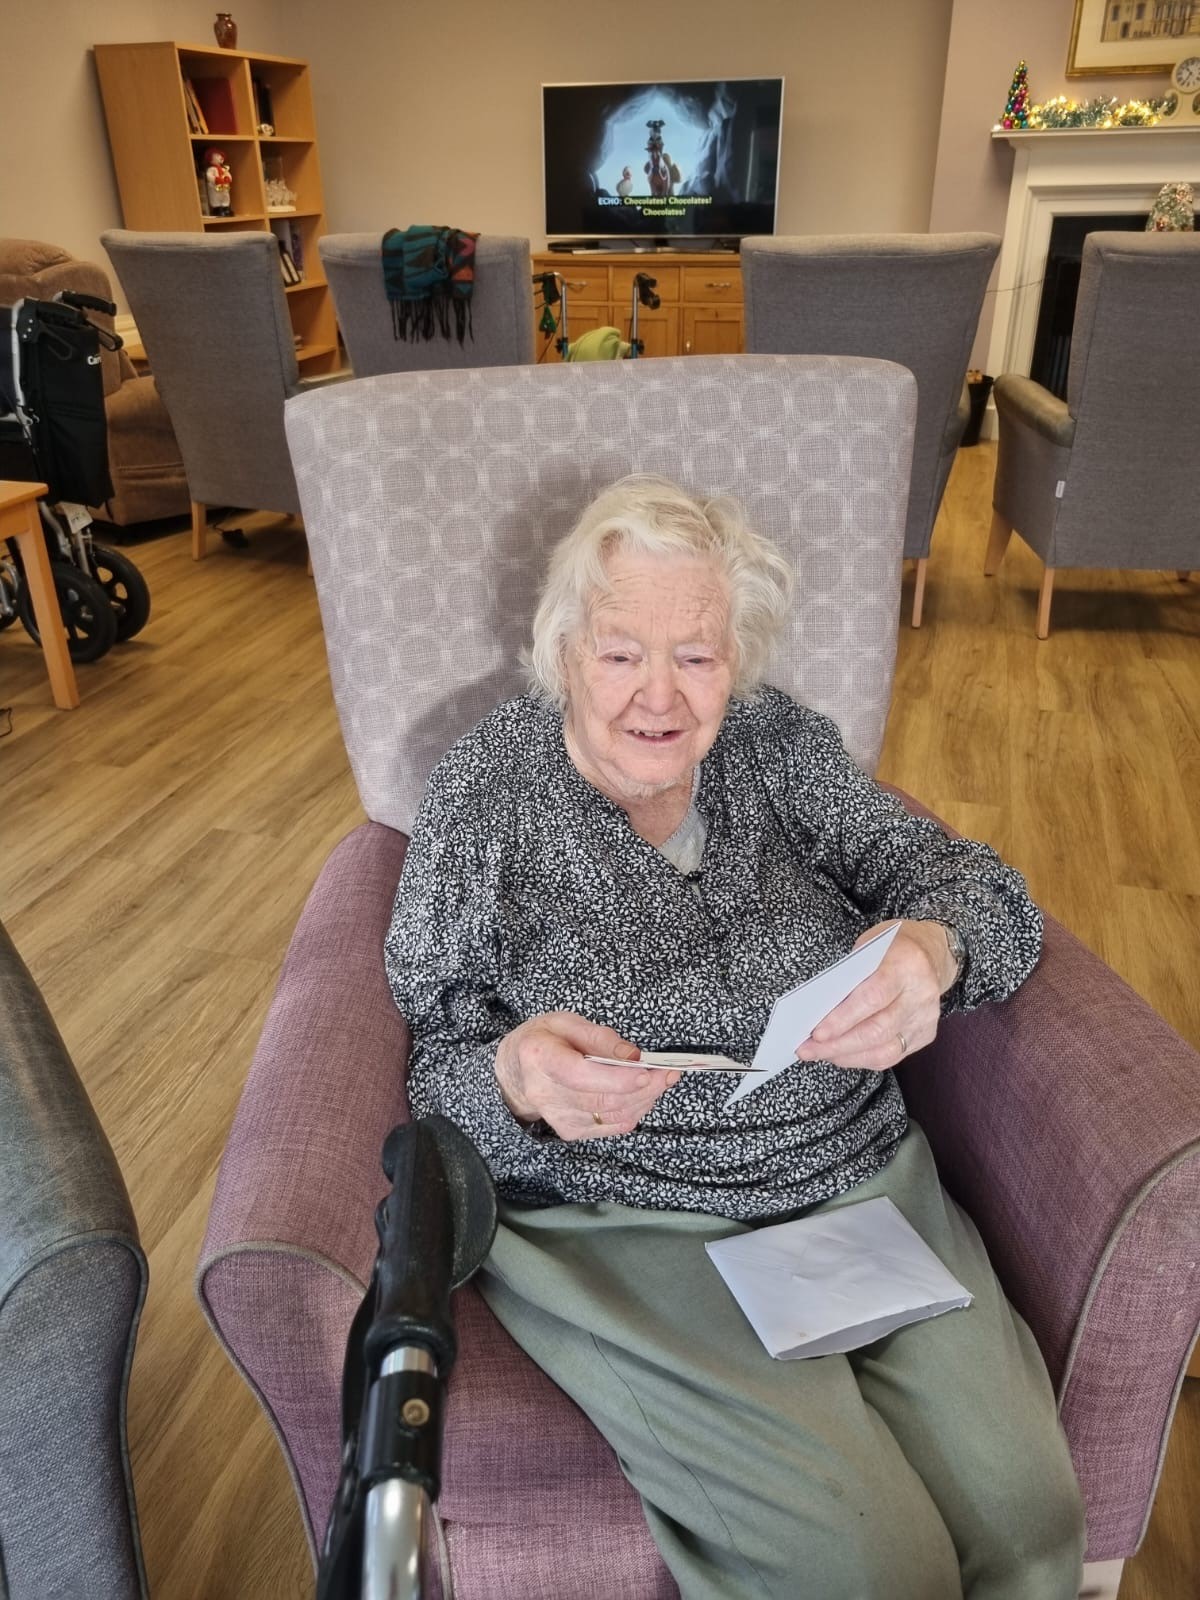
(1080, 172)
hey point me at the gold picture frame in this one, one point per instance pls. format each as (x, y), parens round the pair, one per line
(1131, 44)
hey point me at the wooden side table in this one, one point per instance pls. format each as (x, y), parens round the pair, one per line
(19, 520)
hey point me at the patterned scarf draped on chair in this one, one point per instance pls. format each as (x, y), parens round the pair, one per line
(428, 273)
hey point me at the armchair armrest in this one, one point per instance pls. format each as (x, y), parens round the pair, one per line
(1067, 1122)
(291, 1241)
(72, 1282)
(1022, 400)
(290, 1237)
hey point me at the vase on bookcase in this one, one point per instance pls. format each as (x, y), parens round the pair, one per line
(225, 29)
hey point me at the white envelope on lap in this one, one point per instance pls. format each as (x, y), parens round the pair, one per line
(835, 1282)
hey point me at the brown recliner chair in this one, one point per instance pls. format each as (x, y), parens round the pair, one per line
(144, 460)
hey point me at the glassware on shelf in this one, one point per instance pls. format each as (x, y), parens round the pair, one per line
(280, 197)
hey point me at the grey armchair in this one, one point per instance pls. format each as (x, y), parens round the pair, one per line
(501, 309)
(212, 315)
(910, 298)
(1106, 478)
(1064, 1121)
(72, 1281)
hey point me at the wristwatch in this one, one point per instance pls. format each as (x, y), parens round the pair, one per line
(958, 949)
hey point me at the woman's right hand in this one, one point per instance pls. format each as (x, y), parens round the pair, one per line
(543, 1076)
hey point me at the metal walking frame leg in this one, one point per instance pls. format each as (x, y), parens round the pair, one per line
(396, 1514)
(435, 1229)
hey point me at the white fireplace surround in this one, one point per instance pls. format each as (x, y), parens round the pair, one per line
(1072, 172)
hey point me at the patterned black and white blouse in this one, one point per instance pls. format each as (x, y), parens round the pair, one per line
(526, 890)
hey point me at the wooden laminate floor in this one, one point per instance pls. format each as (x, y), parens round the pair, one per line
(158, 844)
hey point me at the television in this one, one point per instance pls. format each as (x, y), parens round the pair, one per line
(668, 160)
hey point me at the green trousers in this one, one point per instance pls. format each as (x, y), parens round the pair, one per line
(927, 1466)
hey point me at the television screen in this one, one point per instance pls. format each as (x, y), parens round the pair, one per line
(662, 159)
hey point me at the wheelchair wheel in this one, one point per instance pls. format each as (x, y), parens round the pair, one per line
(89, 619)
(127, 591)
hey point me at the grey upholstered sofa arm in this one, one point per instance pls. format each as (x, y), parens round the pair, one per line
(72, 1281)
(1022, 400)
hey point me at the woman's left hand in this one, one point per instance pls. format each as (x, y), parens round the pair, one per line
(893, 1012)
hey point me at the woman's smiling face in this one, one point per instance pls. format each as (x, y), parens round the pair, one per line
(650, 676)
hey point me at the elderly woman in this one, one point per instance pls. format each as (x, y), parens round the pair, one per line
(643, 853)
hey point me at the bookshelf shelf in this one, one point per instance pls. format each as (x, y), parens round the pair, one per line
(154, 94)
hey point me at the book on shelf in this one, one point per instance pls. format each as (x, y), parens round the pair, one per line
(291, 248)
(264, 116)
(215, 96)
(195, 115)
(286, 265)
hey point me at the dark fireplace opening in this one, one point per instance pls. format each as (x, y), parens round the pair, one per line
(1060, 289)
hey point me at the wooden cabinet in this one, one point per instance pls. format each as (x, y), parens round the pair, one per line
(157, 150)
(701, 295)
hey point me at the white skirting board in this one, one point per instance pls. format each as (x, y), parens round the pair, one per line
(1101, 1580)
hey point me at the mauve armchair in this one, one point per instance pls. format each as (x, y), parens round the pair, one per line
(72, 1282)
(1066, 1121)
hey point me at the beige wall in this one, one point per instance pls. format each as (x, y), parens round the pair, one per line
(62, 189)
(432, 113)
(973, 171)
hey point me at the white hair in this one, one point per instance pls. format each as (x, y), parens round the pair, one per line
(651, 516)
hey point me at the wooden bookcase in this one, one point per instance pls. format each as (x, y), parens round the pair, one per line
(701, 294)
(155, 153)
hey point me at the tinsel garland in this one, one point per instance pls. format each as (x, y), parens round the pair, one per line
(1098, 113)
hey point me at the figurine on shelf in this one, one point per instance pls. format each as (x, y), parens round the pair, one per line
(218, 181)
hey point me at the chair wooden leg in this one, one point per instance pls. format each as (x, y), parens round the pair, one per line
(997, 544)
(919, 591)
(1043, 616)
(199, 531)
(19, 520)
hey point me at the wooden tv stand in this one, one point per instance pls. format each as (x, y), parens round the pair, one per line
(701, 293)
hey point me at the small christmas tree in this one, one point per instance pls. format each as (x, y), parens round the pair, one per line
(1016, 112)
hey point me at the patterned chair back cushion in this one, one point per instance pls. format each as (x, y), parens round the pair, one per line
(432, 501)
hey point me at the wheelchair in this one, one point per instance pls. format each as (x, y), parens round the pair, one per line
(53, 429)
